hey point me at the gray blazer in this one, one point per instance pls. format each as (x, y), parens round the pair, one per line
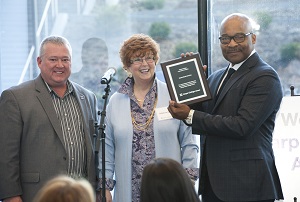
(31, 139)
(238, 130)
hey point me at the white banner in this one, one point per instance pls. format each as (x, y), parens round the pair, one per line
(286, 145)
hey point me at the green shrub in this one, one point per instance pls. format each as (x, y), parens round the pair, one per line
(184, 47)
(290, 51)
(264, 19)
(152, 4)
(112, 13)
(159, 30)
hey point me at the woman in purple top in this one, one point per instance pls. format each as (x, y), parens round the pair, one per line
(136, 131)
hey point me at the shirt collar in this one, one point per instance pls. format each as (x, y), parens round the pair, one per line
(237, 66)
(70, 88)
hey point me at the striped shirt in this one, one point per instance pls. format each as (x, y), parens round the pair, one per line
(68, 112)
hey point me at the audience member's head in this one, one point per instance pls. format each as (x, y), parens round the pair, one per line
(165, 180)
(66, 189)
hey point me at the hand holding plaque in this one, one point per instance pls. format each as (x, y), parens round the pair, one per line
(186, 80)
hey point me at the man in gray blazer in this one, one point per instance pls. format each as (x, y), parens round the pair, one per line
(45, 127)
(237, 160)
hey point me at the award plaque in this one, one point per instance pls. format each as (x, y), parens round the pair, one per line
(186, 80)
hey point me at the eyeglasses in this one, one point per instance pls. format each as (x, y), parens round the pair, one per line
(238, 38)
(139, 61)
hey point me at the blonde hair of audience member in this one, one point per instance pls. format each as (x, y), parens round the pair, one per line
(66, 189)
(165, 180)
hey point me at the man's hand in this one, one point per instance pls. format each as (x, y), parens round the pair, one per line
(178, 111)
(13, 199)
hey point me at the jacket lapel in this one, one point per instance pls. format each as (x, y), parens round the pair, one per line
(83, 103)
(244, 69)
(82, 100)
(44, 96)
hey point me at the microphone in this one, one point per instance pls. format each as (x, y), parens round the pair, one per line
(110, 72)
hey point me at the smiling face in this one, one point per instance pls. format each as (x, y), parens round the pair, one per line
(139, 55)
(55, 64)
(142, 67)
(237, 52)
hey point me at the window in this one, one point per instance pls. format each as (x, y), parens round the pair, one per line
(95, 30)
(276, 24)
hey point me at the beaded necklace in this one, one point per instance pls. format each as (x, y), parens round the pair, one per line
(143, 126)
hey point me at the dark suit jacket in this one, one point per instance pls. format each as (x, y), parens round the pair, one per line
(31, 144)
(237, 133)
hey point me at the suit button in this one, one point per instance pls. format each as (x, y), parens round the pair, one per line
(65, 158)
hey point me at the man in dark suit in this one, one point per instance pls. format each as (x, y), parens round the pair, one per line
(237, 160)
(45, 127)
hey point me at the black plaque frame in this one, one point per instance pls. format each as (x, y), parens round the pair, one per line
(186, 80)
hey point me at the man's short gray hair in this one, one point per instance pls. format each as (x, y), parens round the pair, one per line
(58, 40)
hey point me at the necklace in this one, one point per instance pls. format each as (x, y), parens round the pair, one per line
(143, 126)
(139, 100)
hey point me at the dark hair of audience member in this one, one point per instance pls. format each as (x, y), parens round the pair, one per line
(165, 180)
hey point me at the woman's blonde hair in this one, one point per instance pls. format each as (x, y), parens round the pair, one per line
(66, 189)
(138, 45)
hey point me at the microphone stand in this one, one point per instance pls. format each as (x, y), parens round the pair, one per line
(97, 140)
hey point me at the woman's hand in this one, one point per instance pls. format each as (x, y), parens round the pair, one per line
(186, 54)
(107, 196)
